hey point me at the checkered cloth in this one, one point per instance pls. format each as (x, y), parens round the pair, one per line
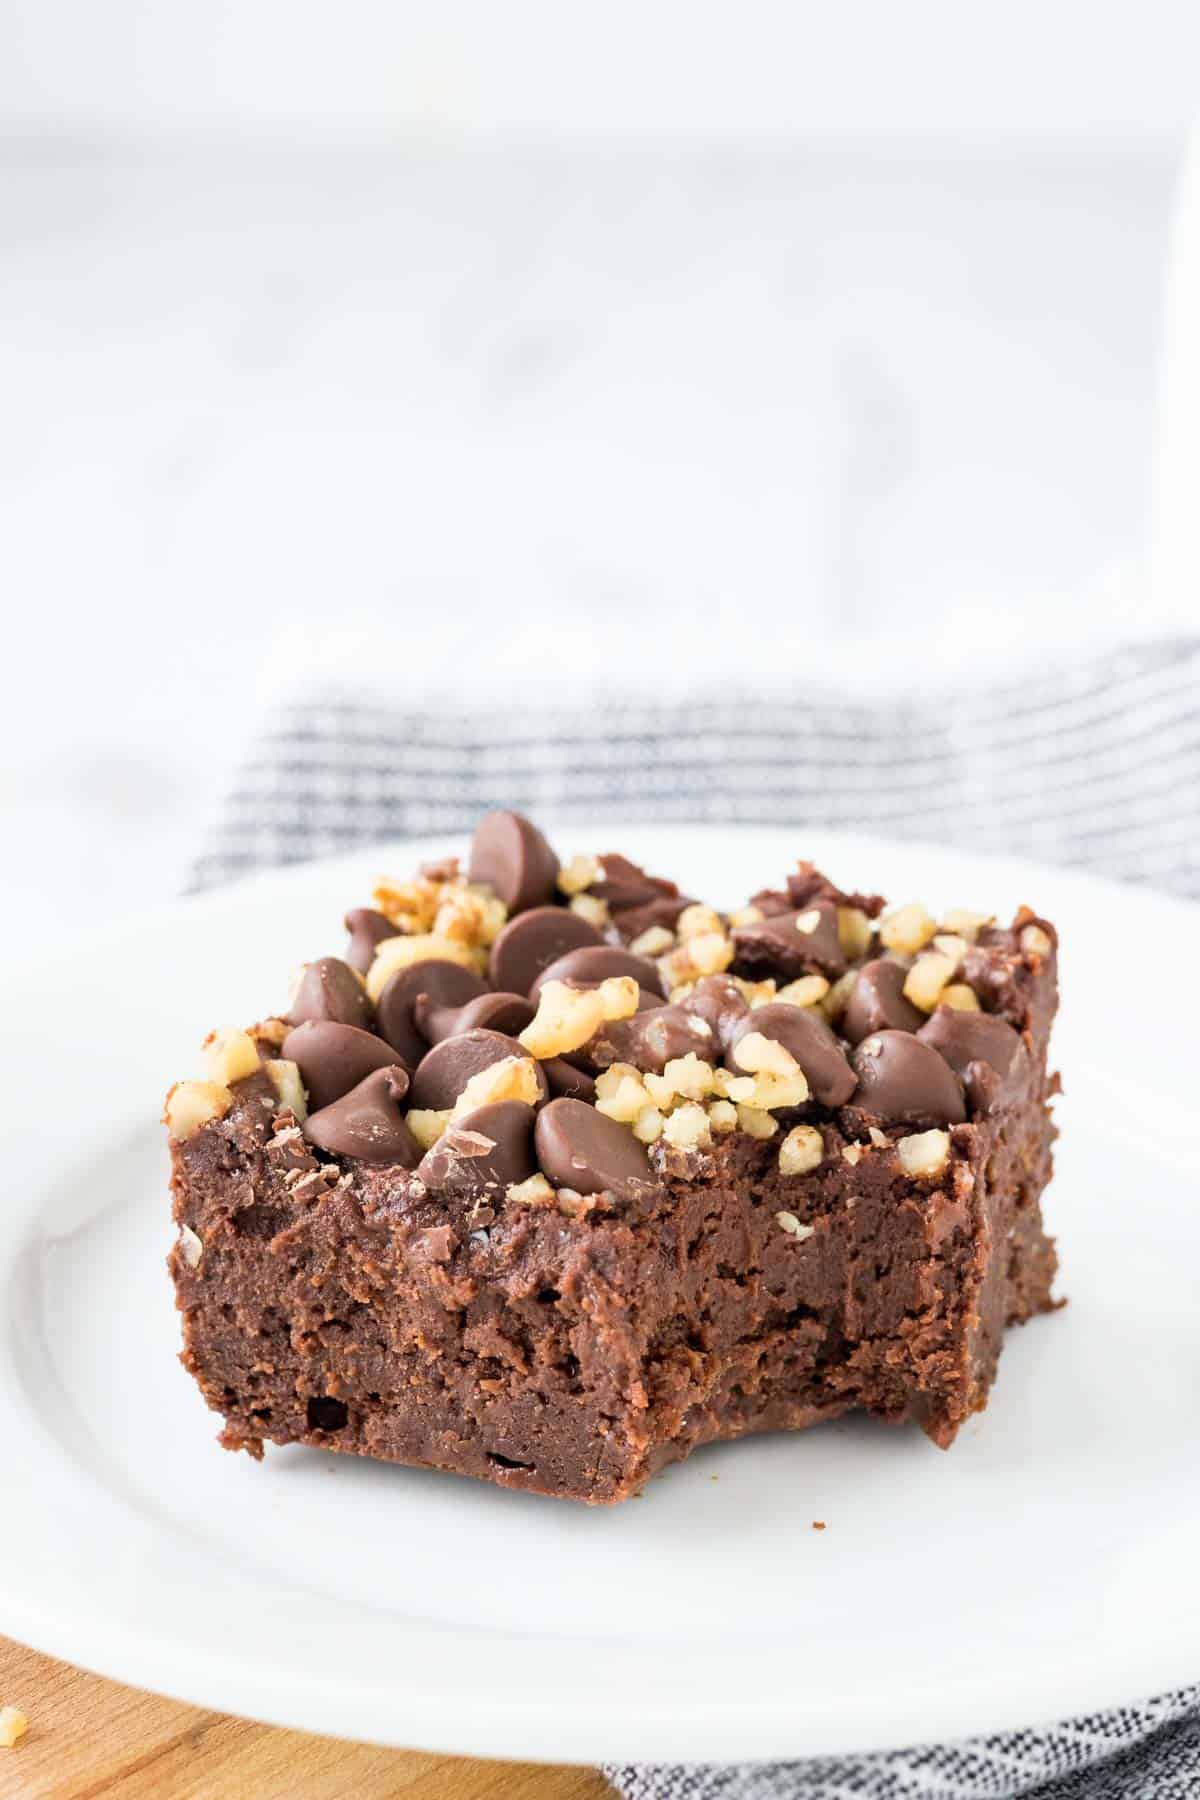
(1093, 762)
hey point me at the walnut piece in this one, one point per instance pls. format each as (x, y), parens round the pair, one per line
(926, 979)
(577, 874)
(760, 1055)
(567, 1017)
(756, 1123)
(906, 930)
(654, 941)
(802, 1151)
(535, 1190)
(960, 996)
(191, 1247)
(512, 1078)
(684, 1077)
(620, 1093)
(925, 1154)
(854, 932)
(787, 1221)
(285, 1079)
(191, 1104)
(807, 990)
(229, 1056)
(687, 1128)
(427, 1124)
(590, 907)
(13, 1726)
(1035, 941)
(966, 924)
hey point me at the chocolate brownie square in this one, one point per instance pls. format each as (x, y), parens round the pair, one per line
(557, 1174)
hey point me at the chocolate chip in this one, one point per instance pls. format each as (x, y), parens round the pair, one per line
(967, 1037)
(367, 929)
(791, 943)
(903, 1082)
(578, 1147)
(720, 1003)
(595, 963)
(445, 1070)
(650, 1040)
(330, 989)
(366, 1123)
(334, 1058)
(983, 1050)
(512, 857)
(811, 1042)
(446, 983)
(567, 1081)
(877, 1002)
(509, 1013)
(484, 1152)
(530, 943)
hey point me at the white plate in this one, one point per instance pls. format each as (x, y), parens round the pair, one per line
(1049, 1563)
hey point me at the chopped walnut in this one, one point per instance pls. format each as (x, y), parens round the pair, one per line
(13, 1726)
(654, 941)
(620, 1094)
(747, 915)
(880, 1139)
(535, 1190)
(472, 916)
(1035, 941)
(285, 1079)
(688, 1077)
(854, 932)
(512, 1078)
(698, 920)
(756, 1123)
(687, 1128)
(400, 952)
(925, 1154)
(928, 976)
(808, 990)
(802, 1151)
(191, 1246)
(960, 996)
(733, 1087)
(722, 1115)
(270, 1031)
(951, 944)
(577, 874)
(852, 1153)
(907, 930)
(649, 1125)
(427, 1125)
(964, 923)
(567, 1017)
(760, 1055)
(708, 953)
(410, 905)
(590, 907)
(755, 993)
(191, 1104)
(787, 1221)
(230, 1056)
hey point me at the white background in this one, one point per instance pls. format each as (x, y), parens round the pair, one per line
(430, 340)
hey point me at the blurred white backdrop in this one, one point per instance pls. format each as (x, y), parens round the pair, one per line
(435, 344)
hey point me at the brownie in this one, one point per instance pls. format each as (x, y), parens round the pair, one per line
(557, 1173)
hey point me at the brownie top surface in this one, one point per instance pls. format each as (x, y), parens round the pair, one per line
(520, 1030)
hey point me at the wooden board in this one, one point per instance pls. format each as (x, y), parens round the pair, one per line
(92, 1740)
